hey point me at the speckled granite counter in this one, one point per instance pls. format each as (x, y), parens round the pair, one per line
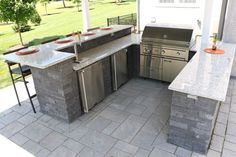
(93, 55)
(206, 75)
(49, 54)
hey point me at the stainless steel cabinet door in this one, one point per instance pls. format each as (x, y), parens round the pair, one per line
(91, 85)
(156, 68)
(171, 68)
(145, 63)
(120, 68)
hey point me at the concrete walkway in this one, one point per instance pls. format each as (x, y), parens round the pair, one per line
(8, 96)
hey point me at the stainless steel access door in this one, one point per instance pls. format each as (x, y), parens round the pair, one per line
(119, 68)
(171, 68)
(91, 85)
(150, 67)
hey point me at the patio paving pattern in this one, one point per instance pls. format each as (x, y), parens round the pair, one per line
(131, 122)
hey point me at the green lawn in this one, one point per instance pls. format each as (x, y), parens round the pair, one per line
(61, 21)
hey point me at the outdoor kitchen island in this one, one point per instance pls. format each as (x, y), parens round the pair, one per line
(197, 93)
(54, 67)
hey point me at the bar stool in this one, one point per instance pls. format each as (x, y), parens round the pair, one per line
(18, 72)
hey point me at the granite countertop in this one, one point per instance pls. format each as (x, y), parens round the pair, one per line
(206, 75)
(49, 54)
(93, 55)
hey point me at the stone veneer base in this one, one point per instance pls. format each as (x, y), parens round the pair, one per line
(192, 122)
(57, 91)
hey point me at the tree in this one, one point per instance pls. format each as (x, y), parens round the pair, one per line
(64, 4)
(18, 12)
(77, 2)
(45, 3)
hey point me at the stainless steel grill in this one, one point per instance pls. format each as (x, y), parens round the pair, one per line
(164, 51)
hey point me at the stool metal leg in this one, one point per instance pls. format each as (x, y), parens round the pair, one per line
(13, 82)
(26, 87)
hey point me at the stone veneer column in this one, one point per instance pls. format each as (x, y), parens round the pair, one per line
(57, 91)
(191, 122)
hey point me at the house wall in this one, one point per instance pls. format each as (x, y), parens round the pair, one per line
(229, 34)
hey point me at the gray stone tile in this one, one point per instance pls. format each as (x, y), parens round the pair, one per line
(62, 151)
(23, 109)
(161, 142)
(181, 152)
(51, 123)
(144, 140)
(153, 125)
(142, 153)
(118, 106)
(224, 108)
(99, 123)
(66, 128)
(212, 153)
(77, 133)
(222, 118)
(2, 126)
(98, 141)
(35, 131)
(27, 119)
(10, 117)
(127, 130)
(231, 129)
(114, 152)
(110, 128)
(232, 117)
(128, 148)
(32, 147)
(217, 143)
(139, 99)
(73, 145)
(43, 153)
(114, 114)
(88, 152)
(230, 138)
(197, 155)
(53, 140)
(135, 108)
(11, 129)
(227, 153)
(19, 139)
(230, 146)
(161, 153)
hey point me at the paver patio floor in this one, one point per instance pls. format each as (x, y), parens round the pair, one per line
(131, 122)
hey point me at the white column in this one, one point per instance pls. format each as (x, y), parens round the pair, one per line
(85, 15)
(138, 14)
(207, 20)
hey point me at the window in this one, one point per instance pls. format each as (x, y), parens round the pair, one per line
(178, 3)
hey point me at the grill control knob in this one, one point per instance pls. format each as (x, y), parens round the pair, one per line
(178, 53)
(163, 51)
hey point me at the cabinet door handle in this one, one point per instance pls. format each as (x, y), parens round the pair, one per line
(85, 105)
(168, 61)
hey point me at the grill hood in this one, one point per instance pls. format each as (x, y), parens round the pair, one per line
(154, 32)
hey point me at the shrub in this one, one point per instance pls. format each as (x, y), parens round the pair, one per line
(36, 19)
(23, 28)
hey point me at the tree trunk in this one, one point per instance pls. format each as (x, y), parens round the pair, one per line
(46, 9)
(64, 4)
(21, 40)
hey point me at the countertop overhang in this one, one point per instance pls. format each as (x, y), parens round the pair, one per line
(49, 54)
(206, 75)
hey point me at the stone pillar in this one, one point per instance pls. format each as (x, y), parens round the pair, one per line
(191, 122)
(57, 91)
